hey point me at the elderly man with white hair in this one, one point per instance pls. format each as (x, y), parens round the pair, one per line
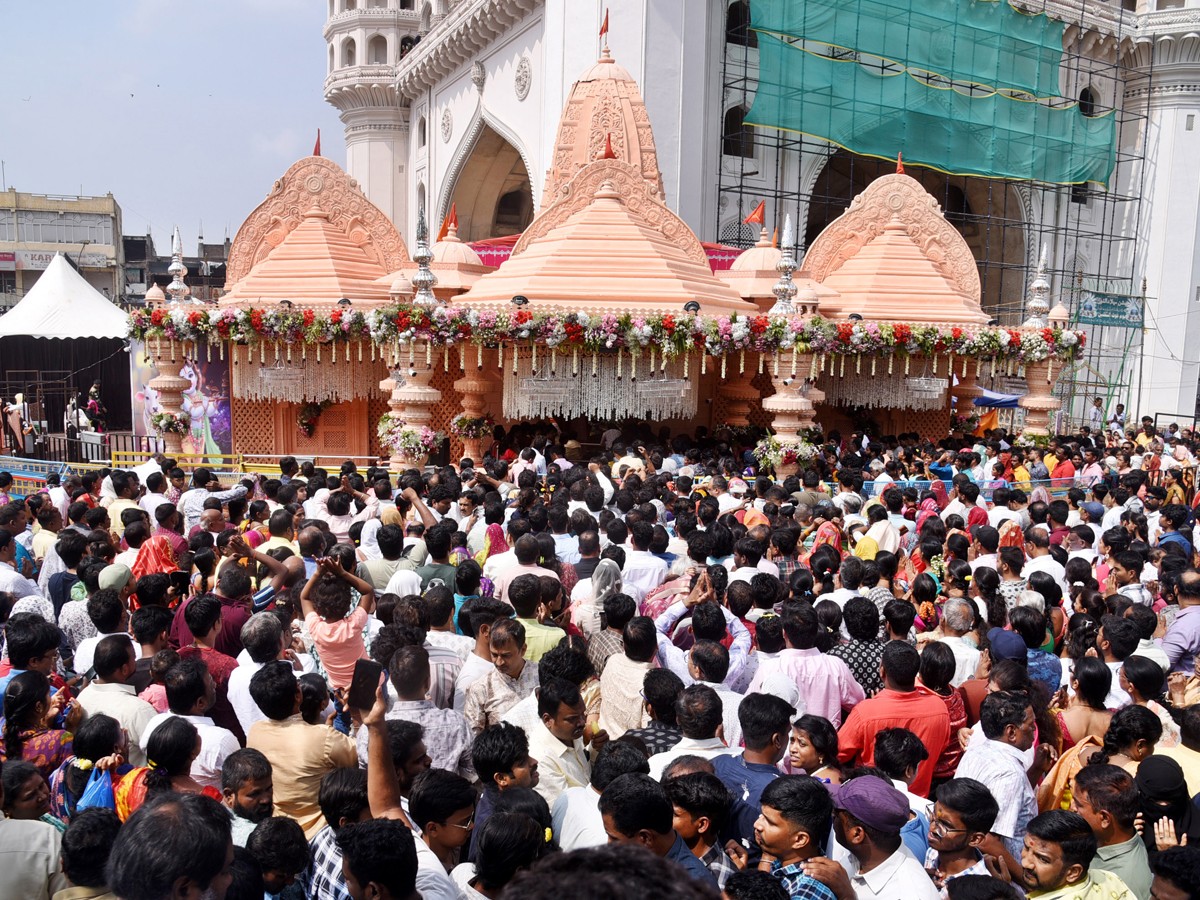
(958, 619)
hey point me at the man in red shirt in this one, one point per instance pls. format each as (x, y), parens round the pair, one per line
(901, 704)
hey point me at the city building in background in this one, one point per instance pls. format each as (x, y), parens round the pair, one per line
(144, 267)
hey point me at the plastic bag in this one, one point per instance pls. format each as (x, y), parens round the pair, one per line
(98, 793)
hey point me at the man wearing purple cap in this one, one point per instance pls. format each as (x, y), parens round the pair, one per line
(868, 815)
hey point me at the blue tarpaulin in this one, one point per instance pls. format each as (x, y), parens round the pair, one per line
(992, 399)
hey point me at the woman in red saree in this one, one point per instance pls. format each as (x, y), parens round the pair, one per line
(172, 748)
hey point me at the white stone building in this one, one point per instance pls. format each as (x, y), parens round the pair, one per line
(459, 102)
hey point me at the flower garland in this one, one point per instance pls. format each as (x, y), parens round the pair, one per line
(472, 427)
(403, 439)
(170, 423)
(773, 453)
(964, 423)
(664, 333)
(306, 419)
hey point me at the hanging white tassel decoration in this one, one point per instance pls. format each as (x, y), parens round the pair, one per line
(741, 362)
(619, 362)
(723, 359)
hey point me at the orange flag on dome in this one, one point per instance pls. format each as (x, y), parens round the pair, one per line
(451, 219)
(759, 216)
(604, 26)
(317, 146)
(775, 238)
(899, 163)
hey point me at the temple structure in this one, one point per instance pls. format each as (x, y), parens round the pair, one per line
(607, 309)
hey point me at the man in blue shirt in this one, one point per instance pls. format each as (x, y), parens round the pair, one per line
(635, 809)
(32, 643)
(766, 729)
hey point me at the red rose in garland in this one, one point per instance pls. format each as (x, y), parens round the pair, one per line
(758, 325)
(668, 325)
(1082, 339)
(1048, 335)
(523, 316)
(902, 333)
(1014, 337)
(336, 317)
(256, 320)
(156, 317)
(309, 318)
(574, 332)
(403, 322)
(956, 333)
(194, 318)
(845, 331)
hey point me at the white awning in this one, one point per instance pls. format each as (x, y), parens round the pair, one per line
(61, 304)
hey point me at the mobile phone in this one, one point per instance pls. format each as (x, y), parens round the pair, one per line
(364, 684)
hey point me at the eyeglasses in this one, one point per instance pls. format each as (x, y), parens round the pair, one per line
(470, 823)
(938, 828)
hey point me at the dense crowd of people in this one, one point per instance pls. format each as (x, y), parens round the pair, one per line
(966, 669)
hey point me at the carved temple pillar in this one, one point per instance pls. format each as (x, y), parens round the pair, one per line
(1040, 403)
(474, 386)
(411, 399)
(965, 392)
(738, 392)
(793, 405)
(169, 386)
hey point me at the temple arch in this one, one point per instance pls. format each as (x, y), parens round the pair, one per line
(489, 185)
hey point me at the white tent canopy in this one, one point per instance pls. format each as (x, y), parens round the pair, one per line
(63, 305)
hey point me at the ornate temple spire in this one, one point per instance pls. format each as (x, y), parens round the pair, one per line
(1038, 305)
(177, 290)
(785, 289)
(424, 279)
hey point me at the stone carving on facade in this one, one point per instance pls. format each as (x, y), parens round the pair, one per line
(636, 193)
(314, 182)
(523, 79)
(447, 125)
(478, 75)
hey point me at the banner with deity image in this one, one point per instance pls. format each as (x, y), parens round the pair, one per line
(205, 403)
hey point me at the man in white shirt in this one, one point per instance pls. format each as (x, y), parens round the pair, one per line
(985, 542)
(112, 694)
(264, 641)
(958, 618)
(575, 816)
(12, 581)
(1037, 549)
(557, 741)
(108, 613)
(643, 570)
(191, 692)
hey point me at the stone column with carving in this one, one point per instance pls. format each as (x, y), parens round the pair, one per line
(411, 398)
(474, 386)
(793, 405)
(169, 386)
(1040, 403)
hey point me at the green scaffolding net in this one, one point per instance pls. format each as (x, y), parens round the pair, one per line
(968, 87)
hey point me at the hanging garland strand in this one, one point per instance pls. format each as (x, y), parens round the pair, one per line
(672, 335)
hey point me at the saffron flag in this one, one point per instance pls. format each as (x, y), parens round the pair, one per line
(899, 163)
(604, 26)
(759, 216)
(317, 146)
(450, 220)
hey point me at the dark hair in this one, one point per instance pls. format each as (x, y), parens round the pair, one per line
(619, 609)
(636, 801)
(1122, 636)
(662, 689)
(937, 666)
(508, 843)
(383, 852)
(861, 618)
(611, 872)
(184, 683)
(640, 639)
(112, 653)
(763, 716)
(437, 794)
(1001, 709)
(981, 887)
(21, 698)
(698, 712)
(565, 662)
(279, 845)
(556, 692)
(1111, 789)
(617, 758)
(901, 662)
(899, 616)
(1179, 865)
(802, 802)
(244, 765)
(701, 794)
(169, 753)
(822, 735)
(751, 884)
(148, 622)
(105, 609)
(897, 750)
(29, 637)
(497, 750)
(179, 836)
(1070, 831)
(343, 795)
(973, 802)
(1094, 680)
(1145, 676)
(1029, 624)
(1128, 725)
(273, 689)
(87, 845)
(711, 660)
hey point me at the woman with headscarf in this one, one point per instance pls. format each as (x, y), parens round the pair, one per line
(829, 532)
(977, 516)
(586, 608)
(154, 557)
(1168, 813)
(493, 543)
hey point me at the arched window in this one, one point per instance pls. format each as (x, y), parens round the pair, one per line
(331, 59)
(407, 43)
(349, 53)
(737, 25)
(349, 5)
(1087, 103)
(377, 52)
(421, 132)
(738, 139)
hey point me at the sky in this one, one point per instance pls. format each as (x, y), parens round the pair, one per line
(187, 111)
